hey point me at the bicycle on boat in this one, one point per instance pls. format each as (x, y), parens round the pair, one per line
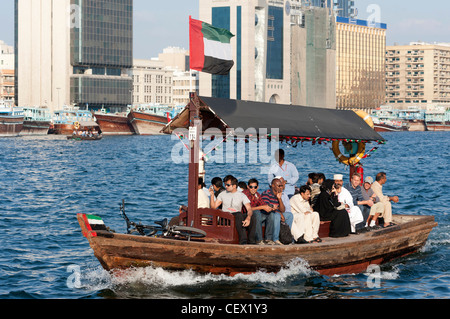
(161, 229)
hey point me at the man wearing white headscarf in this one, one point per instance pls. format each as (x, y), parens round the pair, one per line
(345, 198)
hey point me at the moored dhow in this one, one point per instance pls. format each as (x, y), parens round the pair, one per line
(218, 251)
(114, 123)
(37, 121)
(11, 121)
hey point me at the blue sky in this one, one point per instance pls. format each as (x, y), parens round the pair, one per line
(161, 24)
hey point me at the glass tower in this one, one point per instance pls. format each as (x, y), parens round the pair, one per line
(102, 54)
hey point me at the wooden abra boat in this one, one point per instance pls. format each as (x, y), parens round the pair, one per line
(219, 252)
(351, 254)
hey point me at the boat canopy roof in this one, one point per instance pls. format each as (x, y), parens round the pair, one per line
(293, 122)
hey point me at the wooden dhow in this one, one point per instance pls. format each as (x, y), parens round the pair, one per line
(219, 252)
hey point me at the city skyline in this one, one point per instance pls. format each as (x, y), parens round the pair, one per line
(159, 25)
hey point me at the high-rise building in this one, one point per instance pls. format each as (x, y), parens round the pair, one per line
(418, 75)
(74, 52)
(361, 50)
(281, 50)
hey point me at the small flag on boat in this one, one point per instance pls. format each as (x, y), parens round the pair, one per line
(210, 48)
(95, 222)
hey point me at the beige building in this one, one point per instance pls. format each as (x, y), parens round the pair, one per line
(7, 86)
(43, 67)
(152, 82)
(360, 78)
(418, 75)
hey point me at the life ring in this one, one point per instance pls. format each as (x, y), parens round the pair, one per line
(366, 117)
(350, 161)
(76, 125)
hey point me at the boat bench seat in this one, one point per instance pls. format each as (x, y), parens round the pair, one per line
(220, 225)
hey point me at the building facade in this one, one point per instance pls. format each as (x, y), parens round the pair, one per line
(267, 36)
(418, 75)
(74, 52)
(152, 83)
(6, 74)
(360, 78)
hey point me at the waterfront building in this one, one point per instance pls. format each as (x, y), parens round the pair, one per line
(418, 75)
(284, 52)
(73, 52)
(7, 87)
(152, 82)
(361, 47)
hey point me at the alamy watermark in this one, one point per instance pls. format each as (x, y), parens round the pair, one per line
(250, 146)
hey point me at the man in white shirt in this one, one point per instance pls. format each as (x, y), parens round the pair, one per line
(345, 198)
(306, 225)
(286, 170)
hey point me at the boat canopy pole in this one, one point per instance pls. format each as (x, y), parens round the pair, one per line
(194, 142)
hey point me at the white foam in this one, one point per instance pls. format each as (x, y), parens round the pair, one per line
(151, 276)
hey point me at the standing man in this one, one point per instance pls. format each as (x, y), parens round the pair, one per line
(377, 188)
(286, 170)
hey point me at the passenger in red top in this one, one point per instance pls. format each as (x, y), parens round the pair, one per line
(262, 212)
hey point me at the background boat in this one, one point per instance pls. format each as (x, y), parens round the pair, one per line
(37, 121)
(114, 123)
(437, 119)
(149, 120)
(11, 120)
(414, 118)
(64, 121)
(386, 119)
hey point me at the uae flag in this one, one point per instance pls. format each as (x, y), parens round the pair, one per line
(210, 48)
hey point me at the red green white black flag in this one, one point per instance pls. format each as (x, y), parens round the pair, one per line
(210, 48)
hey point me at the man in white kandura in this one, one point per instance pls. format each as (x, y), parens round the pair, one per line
(345, 198)
(305, 227)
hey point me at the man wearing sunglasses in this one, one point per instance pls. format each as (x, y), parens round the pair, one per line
(261, 211)
(233, 202)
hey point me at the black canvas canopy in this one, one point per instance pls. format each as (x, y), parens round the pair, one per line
(293, 122)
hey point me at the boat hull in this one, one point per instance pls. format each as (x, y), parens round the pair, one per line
(67, 129)
(32, 128)
(389, 128)
(417, 126)
(352, 254)
(112, 124)
(10, 126)
(146, 123)
(438, 126)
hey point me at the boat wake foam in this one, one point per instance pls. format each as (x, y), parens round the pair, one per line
(99, 279)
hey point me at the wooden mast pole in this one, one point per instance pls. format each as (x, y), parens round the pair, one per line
(194, 142)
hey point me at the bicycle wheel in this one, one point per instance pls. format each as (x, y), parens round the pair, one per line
(186, 231)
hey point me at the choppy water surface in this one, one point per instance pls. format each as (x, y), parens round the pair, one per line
(45, 181)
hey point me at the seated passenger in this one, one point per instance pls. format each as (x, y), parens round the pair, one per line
(217, 187)
(273, 197)
(203, 199)
(286, 217)
(346, 199)
(377, 208)
(233, 202)
(242, 186)
(261, 211)
(355, 189)
(377, 188)
(306, 225)
(315, 187)
(328, 207)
